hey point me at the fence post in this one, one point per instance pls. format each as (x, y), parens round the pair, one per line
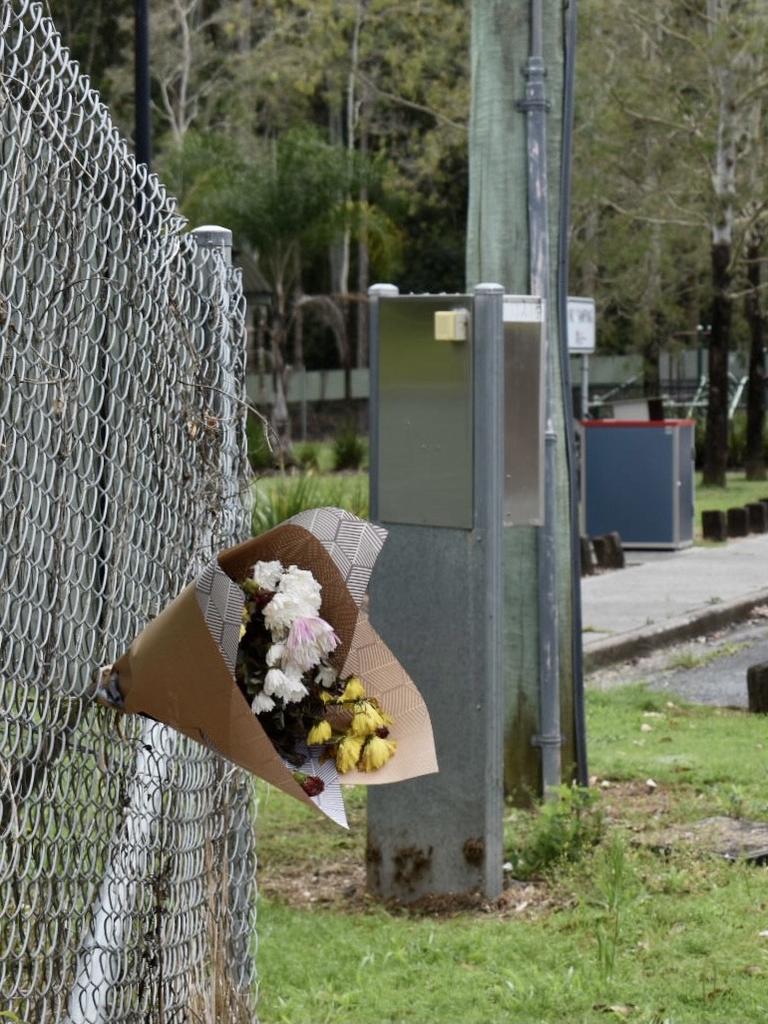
(226, 399)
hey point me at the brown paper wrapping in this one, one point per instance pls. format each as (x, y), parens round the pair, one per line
(174, 671)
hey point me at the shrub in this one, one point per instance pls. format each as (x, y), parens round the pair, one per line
(350, 451)
(307, 454)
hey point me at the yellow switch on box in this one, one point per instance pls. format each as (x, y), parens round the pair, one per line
(451, 325)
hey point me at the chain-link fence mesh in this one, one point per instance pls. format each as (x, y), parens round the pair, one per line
(126, 860)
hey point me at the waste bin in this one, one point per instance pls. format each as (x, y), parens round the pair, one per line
(639, 477)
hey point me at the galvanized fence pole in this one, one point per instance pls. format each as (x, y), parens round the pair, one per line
(226, 399)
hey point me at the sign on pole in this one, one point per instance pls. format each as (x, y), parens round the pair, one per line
(581, 326)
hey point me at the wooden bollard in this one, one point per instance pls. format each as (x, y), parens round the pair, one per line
(738, 522)
(757, 514)
(608, 551)
(587, 557)
(713, 525)
(757, 688)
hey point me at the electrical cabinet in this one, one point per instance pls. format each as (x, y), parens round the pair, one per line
(639, 481)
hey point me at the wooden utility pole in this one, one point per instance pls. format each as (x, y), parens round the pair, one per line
(514, 232)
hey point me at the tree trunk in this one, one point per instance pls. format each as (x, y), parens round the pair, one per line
(716, 436)
(724, 186)
(755, 454)
(363, 266)
(298, 339)
(652, 379)
(281, 420)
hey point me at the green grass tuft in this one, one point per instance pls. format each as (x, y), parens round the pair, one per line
(277, 498)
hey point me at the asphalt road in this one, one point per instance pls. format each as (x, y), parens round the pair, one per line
(708, 670)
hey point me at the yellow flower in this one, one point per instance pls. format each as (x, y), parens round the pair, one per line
(376, 753)
(326, 697)
(353, 690)
(348, 753)
(242, 631)
(366, 719)
(319, 733)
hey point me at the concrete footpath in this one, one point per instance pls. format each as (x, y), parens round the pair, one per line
(662, 597)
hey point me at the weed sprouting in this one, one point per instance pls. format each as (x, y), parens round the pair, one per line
(564, 829)
(616, 886)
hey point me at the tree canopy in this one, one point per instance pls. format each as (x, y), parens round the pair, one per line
(669, 205)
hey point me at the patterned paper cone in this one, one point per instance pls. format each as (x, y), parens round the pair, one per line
(180, 669)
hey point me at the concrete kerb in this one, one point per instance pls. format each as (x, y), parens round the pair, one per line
(639, 642)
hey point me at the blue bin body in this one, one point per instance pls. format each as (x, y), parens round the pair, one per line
(639, 481)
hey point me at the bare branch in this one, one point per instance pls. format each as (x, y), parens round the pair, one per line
(411, 105)
(643, 218)
(269, 434)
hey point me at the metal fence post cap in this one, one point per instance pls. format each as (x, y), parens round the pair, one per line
(379, 290)
(488, 288)
(213, 236)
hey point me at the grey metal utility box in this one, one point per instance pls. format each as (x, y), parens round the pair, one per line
(423, 406)
(639, 477)
(456, 456)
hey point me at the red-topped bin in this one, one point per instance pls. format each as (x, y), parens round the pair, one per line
(639, 481)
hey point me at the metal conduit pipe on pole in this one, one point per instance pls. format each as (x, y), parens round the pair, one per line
(580, 732)
(535, 106)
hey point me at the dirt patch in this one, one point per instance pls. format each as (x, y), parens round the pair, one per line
(646, 812)
(731, 838)
(341, 887)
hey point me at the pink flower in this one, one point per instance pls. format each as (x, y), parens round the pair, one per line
(310, 639)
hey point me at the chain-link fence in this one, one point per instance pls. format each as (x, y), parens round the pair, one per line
(126, 864)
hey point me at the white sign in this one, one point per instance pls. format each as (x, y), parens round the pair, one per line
(581, 325)
(522, 309)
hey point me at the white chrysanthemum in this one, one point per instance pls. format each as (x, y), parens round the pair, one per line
(285, 684)
(267, 575)
(302, 587)
(282, 611)
(309, 640)
(326, 676)
(261, 702)
(275, 655)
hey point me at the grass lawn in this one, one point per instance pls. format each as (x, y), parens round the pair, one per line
(636, 927)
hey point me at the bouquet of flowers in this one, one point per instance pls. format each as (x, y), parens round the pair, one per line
(269, 659)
